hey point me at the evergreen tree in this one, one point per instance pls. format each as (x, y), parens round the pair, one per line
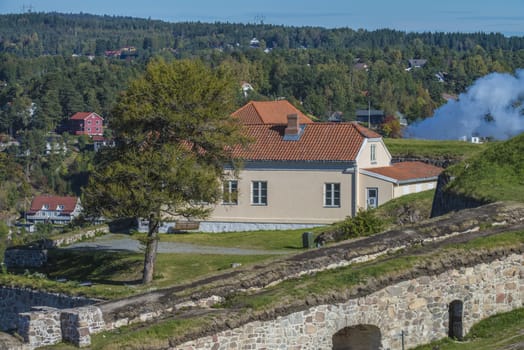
(173, 134)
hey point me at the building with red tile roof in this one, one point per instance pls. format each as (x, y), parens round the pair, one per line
(269, 112)
(54, 209)
(298, 174)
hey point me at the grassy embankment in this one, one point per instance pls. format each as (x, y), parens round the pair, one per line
(497, 174)
(287, 293)
(434, 149)
(503, 331)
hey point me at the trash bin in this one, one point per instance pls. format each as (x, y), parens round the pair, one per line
(307, 240)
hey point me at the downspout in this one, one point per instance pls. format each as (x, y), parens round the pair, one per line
(355, 191)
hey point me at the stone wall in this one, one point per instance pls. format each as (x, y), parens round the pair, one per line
(417, 308)
(447, 201)
(14, 301)
(67, 239)
(45, 326)
(25, 257)
(35, 254)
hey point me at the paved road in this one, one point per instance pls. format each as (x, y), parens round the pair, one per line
(124, 243)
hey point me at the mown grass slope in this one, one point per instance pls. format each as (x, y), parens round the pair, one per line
(497, 174)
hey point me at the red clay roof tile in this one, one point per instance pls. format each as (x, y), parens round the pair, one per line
(53, 202)
(407, 171)
(268, 112)
(318, 142)
(82, 115)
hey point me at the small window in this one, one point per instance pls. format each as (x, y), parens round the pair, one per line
(98, 122)
(373, 150)
(259, 193)
(88, 122)
(45, 207)
(88, 129)
(230, 192)
(60, 207)
(332, 195)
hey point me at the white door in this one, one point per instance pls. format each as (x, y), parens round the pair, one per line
(371, 197)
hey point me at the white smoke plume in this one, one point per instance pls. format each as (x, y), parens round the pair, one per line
(492, 107)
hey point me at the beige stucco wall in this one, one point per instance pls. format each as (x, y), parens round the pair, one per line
(385, 190)
(382, 156)
(294, 196)
(402, 190)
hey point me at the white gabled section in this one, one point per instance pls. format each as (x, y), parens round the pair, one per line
(378, 176)
(362, 147)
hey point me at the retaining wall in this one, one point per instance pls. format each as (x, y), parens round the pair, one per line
(418, 308)
(14, 301)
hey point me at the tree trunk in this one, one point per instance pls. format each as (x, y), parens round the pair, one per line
(151, 248)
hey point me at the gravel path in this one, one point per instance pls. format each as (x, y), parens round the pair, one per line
(123, 243)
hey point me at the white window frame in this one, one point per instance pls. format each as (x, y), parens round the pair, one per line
(230, 192)
(373, 153)
(332, 195)
(259, 193)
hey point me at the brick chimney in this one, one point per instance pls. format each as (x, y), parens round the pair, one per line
(293, 127)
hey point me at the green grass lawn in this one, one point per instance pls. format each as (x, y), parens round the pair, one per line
(265, 240)
(433, 148)
(496, 174)
(496, 332)
(118, 274)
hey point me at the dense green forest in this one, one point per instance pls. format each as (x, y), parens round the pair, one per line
(53, 65)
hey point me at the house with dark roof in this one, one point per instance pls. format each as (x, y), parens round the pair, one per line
(374, 117)
(86, 123)
(297, 173)
(53, 209)
(416, 63)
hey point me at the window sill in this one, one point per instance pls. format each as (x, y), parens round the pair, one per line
(331, 206)
(259, 205)
(229, 203)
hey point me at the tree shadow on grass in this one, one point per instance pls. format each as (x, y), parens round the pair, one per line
(101, 267)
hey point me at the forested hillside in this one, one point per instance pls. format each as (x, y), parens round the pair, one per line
(53, 65)
(321, 70)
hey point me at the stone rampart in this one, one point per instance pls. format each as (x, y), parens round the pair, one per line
(25, 257)
(35, 254)
(418, 308)
(45, 326)
(14, 301)
(67, 239)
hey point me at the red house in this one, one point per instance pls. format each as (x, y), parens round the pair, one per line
(86, 123)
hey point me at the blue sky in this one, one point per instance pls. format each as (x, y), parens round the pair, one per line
(505, 16)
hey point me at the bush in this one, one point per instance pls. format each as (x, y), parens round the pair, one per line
(365, 223)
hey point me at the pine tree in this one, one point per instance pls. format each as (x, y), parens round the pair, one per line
(173, 131)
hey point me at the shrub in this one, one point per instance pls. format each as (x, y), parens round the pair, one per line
(365, 223)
